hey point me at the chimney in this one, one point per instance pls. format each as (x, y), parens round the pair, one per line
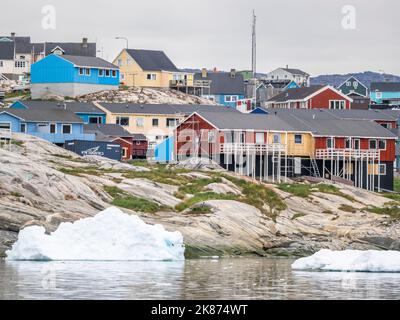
(85, 42)
(204, 73)
(233, 73)
(287, 66)
(215, 69)
(12, 35)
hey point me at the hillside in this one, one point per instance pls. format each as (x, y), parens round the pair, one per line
(365, 77)
(217, 212)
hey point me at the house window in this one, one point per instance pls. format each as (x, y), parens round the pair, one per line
(171, 122)
(231, 98)
(1, 64)
(81, 71)
(356, 144)
(277, 138)
(101, 73)
(124, 152)
(95, 120)
(158, 137)
(5, 126)
(330, 143)
(20, 64)
(379, 95)
(382, 169)
(382, 144)
(122, 76)
(66, 129)
(298, 139)
(53, 128)
(211, 136)
(151, 76)
(259, 137)
(122, 121)
(337, 104)
(119, 62)
(348, 143)
(372, 144)
(114, 73)
(87, 72)
(58, 52)
(154, 122)
(23, 127)
(139, 122)
(138, 143)
(107, 73)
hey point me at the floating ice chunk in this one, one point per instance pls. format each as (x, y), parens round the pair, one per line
(351, 260)
(110, 235)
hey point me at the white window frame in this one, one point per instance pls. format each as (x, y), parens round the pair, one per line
(8, 123)
(98, 118)
(332, 144)
(88, 72)
(151, 76)
(345, 143)
(108, 73)
(139, 122)
(354, 144)
(167, 122)
(118, 121)
(384, 141)
(258, 140)
(301, 138)
(152, 122)
(81, 71)
(124, 152)
(231, 98)
(101, 73)
(211, 137)
(114, 73)
(376, 144)
(378, 94)
(382, 165)
(273, 138)
(64, 125)
(337, 104)
(1, 64)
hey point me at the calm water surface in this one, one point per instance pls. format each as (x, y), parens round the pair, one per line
(241, 278)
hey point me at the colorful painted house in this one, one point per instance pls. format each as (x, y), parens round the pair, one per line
(148, 68)
(353, 86)
(289, 74)
(56, 126)
(72, 76)
(276, 146)
(313, 97)
(385, 93)
(225, 88)
(87, 111)
(132, 145)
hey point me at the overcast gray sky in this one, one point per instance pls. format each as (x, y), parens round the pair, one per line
(305, 34)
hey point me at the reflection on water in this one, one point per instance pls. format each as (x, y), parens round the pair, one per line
(241, 278)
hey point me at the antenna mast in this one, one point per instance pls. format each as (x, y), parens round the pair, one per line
(254, 58)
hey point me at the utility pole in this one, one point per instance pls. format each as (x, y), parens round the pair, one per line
(124, 38)
(254, 57)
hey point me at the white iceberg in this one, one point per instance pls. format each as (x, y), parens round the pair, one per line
(351, 260)
(111, 235)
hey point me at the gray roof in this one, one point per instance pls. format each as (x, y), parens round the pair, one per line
(44, 115)
(92, 62)
(289, 122)
(244, 121)
(73, 48)
(17, 39)
(111, 130)
(385, 86)
(6, 50)
(163, 109)
(76, 107)
(296, 93)
(295, 71)
(336, 114)
(223, 83)
(151, 60)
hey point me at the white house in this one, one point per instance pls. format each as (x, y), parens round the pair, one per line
(284, 74)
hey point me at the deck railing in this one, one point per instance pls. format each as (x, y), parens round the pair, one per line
(347, 153)
(252, 148)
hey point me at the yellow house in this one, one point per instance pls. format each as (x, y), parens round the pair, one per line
(149, 68)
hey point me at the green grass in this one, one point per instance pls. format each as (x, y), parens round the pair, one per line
(203, 197)
(347, 208)
(397, 184)
(15, 94)
(197, 185)
(124, 200)
(392, 196)
(305, 190)
(297, 215)
(161, 174)
(390, 209)
(17, 143)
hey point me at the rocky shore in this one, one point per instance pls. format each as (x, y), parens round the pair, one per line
(217, 213)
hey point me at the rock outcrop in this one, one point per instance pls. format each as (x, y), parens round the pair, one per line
(43, 184)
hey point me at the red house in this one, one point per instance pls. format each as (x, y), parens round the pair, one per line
(313, 97)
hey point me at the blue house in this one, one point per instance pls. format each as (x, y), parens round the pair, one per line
(385, 93)
(72, 76)
(353, 86)
(225, 88)
(56, 126)
(164, 151)
(87, 111)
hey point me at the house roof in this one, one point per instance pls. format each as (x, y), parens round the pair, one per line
(295, 71)
(111, 130)
(335, 114)
(162, 109)
(43, 115)
(76, 107)
(152, 60)
(385, 86)
(222, 83)
(296, 93)
(72, 48)
(17, 39)
(91, 62)
(6, 50)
